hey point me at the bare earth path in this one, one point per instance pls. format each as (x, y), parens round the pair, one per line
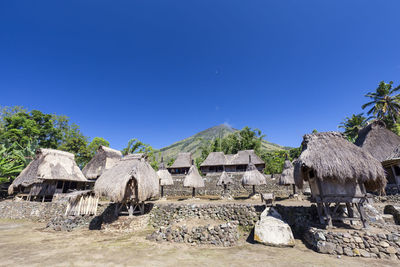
(26, 243)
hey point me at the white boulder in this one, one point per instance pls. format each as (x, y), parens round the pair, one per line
(271, 230)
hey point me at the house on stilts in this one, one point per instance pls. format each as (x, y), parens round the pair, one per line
(339, 174)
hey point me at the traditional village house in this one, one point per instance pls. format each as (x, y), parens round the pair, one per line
(165, 177)
(129, 183)
(287, 176)
(214, 162)
(252, 176)
(218, 161)
(382, 143)
(193, 179)
(182, 163)
(104, 159)
(51, 172)
(338, 172)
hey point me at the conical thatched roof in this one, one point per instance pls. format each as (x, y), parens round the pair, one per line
(113, 182)
(252, 176)
(183, 160)
(224, 179)
(287, 176)
(332, 157)
(104, 159)
(164, 175)
(377, 140)
(193, 178)
(49, 164)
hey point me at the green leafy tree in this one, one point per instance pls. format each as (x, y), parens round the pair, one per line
(352, 125)
(384, 102)
(136, 146)
(294, 153)
(274, 161)
(75, 142)
(95, 144)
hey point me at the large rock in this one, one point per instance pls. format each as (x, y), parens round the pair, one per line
(271, 230)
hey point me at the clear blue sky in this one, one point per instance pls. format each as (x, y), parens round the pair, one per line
(161, 70)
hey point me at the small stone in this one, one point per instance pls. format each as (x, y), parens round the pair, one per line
(364, 253)
(325, 247)
(358, 239)
(320, 236)
(356, 252)
(391, 250)
(383, 244)
(348, 252)
(345, 239)
(339, 250)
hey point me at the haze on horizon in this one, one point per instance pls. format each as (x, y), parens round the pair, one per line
(162, 71)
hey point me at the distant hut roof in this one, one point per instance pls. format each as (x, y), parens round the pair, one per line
(214, 159)
(252, 176)
(242, 158)
(287, 176)
(193, 178)
(377, 140)
(183, 160)
(103, 160)
(49, 164)
(332, 157)
(113, 182)
(224, 179)
(393, 158)
(164, 175)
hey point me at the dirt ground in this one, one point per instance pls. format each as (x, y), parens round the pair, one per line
(25, 243)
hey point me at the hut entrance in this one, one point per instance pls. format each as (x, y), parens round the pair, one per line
(131, 202)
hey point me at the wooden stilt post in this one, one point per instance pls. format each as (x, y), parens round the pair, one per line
(194, 192)
(162, 191)
(254, 189)
(294, 189)
(328, 214)
(225, 187)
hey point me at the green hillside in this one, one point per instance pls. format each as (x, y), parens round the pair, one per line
(193, 143)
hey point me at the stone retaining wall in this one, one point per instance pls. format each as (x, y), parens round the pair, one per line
(246, 215)
(225, 234)
(36, 211)
(235, 189)
(355, 243)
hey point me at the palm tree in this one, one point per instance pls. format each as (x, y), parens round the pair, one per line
(353, 125)
(384, 103)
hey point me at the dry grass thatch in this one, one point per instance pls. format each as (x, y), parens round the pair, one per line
(252, 176)
(104, 159)
(183, 160)
(193, 178)
(331, 156)
(287, 176)
(134, 168)
(242, 158)
(214, 159)
(49, 164)
(165, 177)
(377, 140)
(224, 179)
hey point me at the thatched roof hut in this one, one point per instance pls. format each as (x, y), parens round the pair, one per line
(131, 179)
(104, 159)
(193, 178)
(183, 160)
(287, 176)
(49, 166)
(329, 156)
(214, 159)
(224, 179)
(164, 175)
(377, 140)
(252, 176)
(242, 158)
(181, 164)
